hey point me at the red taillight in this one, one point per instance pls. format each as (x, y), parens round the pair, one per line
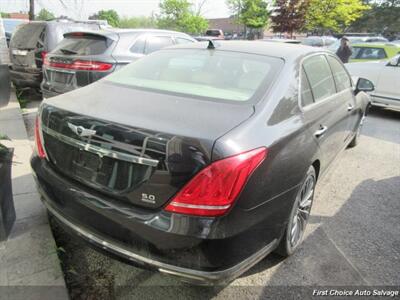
(39, 145)
(80, 65)
(213, 190)
(43, 54)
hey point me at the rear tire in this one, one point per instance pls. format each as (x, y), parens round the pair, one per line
(299, 215)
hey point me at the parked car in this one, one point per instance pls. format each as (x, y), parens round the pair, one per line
(200, 159)
(215, 33)
(282, 40)
(318, 41)
(385, 76)
(10, 26)
(356, 40)
(84, 57)
(373, 51)
(31, 42)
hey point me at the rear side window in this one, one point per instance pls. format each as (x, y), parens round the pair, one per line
(306, 93)
(340, 75)
(155, 43)
(29, 36)
(180, 40)
(368, 53)
(138, 46)
(320, 77)
(82, 45)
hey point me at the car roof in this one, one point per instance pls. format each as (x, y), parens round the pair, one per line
(285, 51)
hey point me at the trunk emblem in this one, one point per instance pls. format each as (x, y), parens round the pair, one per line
(81, 131)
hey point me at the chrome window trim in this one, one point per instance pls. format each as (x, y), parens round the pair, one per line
(101, 151)
(316, 104)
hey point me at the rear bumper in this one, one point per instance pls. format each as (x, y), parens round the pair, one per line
(188, 274)
(25, 79)
(170, 243)
(48, 94)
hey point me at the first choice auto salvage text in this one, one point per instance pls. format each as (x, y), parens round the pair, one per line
(356, 292)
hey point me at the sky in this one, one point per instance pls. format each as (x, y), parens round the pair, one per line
(81, 9)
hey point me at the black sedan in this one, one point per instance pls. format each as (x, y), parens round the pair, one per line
(200, 159)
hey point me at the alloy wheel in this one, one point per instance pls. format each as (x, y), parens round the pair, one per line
(300, 218)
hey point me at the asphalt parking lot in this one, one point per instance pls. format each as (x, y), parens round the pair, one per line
(353, 238)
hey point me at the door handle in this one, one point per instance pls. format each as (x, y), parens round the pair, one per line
(350, 107)
(320, 132)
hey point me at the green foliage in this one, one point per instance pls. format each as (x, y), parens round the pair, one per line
(254, 13)
(178, 15)
(333, 15)
(111, 16)
(45, 15)
(289, 15)
(384, 17)
(4, 15)
(251, 13)
(138, 22)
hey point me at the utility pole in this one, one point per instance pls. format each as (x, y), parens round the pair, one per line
(31, 10)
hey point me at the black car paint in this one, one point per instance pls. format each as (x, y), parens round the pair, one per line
(259, 215)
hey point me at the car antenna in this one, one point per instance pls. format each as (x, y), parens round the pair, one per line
(212, 45)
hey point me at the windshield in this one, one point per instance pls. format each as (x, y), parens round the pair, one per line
(213, 74)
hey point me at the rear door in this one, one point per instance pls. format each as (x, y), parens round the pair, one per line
(27, 45)
(78, 60)
(324, 111)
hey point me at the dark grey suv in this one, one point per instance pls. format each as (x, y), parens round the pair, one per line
(31, 42)
(84, 57)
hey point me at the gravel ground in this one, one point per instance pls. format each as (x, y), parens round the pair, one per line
(353, 238)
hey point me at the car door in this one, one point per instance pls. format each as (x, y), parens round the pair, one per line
(389, 82)
(345, 95)
(324, 111)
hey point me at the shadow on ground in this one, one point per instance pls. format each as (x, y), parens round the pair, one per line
(358, 246)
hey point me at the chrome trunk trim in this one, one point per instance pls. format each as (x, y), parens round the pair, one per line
(101, 151)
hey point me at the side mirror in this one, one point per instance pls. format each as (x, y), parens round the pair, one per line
(364, 85)
(394, 61)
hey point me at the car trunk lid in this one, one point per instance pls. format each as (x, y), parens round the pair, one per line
(140, 147)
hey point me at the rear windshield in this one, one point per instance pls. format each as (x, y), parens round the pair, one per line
(213, 32)
(28, 36)
(213, 74)
(82, 45)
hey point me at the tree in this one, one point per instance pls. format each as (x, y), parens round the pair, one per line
(384, 17)
(45, 15)
(178, 15)
(111, 16)
(333, 15)
(289, 15)
(253, 14)
(138, 22)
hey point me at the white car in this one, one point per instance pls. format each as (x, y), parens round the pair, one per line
(385, 75)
